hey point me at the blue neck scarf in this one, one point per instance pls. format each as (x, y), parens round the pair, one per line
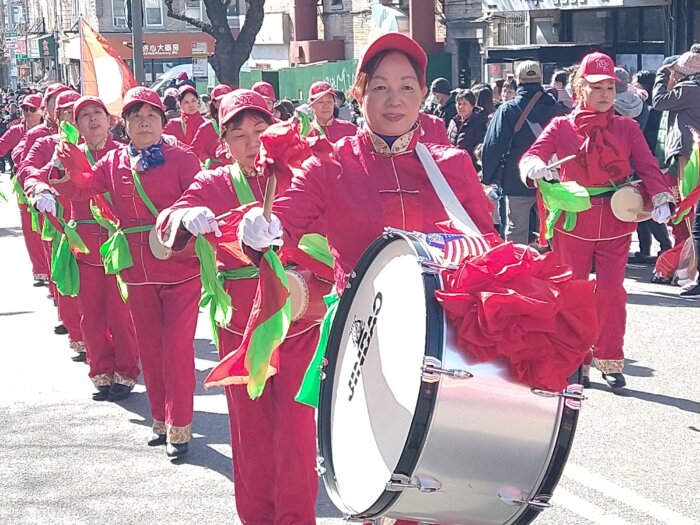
(151, 157)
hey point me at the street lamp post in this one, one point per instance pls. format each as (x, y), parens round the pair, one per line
(137, 40)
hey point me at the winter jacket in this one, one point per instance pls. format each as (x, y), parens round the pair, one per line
(562, 138)
(468, 134)
(629, 104)
(683, 106)
(448, 111)
(370, 186)
(500, 132)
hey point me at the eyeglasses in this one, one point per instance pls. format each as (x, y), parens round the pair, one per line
(28, 109)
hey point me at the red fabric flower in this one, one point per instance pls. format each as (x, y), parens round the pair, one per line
(75, 164)
(514, 303)
(282, 148)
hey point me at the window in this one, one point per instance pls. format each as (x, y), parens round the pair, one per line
(628, 25)
(654, 25)
(118, 14)
(232, 10)
(194, 8)
(153, 13)
(592, 26)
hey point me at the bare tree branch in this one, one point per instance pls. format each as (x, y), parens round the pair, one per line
(203, 26)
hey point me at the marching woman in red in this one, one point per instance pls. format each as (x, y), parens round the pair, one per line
(206, 144)
(143, 178)
(322, 103)
(106, 322)
(606, 149)
(13, 140)
(37, 168)
(185, 127)
(377, 179)
(273, 438)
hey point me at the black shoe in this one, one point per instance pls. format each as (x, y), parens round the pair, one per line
(80, 357)
(586, 382)
(615, 381)
(39, 284)
(641, 258)
(117, 392)
(156, 440)
(176, 450)
(60, 330)
(102, 393)
(692, 293)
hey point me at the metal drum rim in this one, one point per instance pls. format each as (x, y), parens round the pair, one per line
(435, 330)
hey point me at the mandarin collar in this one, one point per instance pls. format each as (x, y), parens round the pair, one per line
(402, 144)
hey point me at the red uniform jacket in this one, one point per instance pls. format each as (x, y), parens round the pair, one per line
(337, 129)
(371, 187)
(214, 190)
(11, 138)
(432, 130)
(206, 144)
(562, 138)
(42, 130)
(190, 124)
(163, 185)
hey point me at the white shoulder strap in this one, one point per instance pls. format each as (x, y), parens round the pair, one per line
(453, 207)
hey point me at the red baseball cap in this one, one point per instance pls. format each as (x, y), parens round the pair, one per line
(140, 94)
(240, 100)
(395, 42)
(182, 75)
(264, 89)
(66, 99)
(597, 67)
(32, 101)
(86, 101)
(53, 89)
(220, 91)
(319, 89)
(187, 88)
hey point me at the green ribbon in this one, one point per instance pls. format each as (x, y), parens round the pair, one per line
(64, 268)
(68, 132)
(3, 196)
(316, 247)
(567, 198)
(311, 385)
(213, 293)
(241, 186)
(305, 123)
(22, 200)
(115, 252)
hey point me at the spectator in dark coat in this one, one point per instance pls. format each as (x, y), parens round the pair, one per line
(502, 146)
(468, 128)
(441, 90)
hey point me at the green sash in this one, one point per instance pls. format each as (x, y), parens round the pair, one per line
(568, 198)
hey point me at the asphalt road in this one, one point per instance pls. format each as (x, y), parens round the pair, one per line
(65, 459)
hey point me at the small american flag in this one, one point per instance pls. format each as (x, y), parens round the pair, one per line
(454, 248)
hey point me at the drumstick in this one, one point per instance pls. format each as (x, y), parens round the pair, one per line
(558, 163)
(223, 216)
(270, 191)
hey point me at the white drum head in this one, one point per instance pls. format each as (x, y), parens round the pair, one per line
(384, 338)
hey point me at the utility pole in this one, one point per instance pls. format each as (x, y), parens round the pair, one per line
(137, 40)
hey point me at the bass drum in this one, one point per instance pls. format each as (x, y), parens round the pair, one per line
(410, 427)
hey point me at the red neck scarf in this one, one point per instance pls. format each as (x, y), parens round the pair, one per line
(601, 156)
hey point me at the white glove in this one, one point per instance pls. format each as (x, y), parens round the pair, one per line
(55, 160)
(45, 202)
(200, 220)
(256, 232)
(535, 168)
(661, 214)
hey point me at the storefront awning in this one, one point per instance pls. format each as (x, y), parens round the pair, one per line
(559, 53)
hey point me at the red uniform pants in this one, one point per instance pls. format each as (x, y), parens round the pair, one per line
(35, 248)
(165, 319)
(69, 314)
(610, 258)
(107, 329)
(273, 439)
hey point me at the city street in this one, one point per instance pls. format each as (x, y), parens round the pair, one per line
(65, 459)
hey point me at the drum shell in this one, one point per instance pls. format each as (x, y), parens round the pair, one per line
(307, 292)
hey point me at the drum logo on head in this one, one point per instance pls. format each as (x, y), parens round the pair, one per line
(361, 334)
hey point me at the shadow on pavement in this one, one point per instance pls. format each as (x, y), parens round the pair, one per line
(664, 299)
(683, 404)
(631, 369)
(10, 232)
(24, 312)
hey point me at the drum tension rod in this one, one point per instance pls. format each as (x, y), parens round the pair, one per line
(432, 370)
(513, 496)
(401, 482)
(576, 396)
